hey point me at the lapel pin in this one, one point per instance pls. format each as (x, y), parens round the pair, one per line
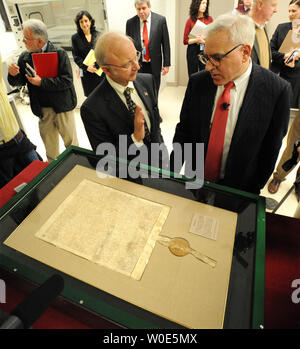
(146, 93)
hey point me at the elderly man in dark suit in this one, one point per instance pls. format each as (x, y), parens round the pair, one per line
(150, 34)
(239, 110)
(125, 103)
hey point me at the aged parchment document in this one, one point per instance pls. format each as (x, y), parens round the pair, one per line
(107, 226)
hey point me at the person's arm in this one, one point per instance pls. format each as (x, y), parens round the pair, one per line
(186, 40)
(273, 139)
(16, 73)
(64, 79)
(166, 46)
(76, 53)
(277, 56)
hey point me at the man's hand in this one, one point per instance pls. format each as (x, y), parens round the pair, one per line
(296, 56)
(35, 80)
(165, 70)
(139, 121)
(13, 69)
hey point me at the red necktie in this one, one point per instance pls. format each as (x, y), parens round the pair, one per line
(146, 41)
(217, 134)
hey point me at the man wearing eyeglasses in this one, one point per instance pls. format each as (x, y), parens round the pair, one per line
(52, 99)
(239, 110)
(125, 103)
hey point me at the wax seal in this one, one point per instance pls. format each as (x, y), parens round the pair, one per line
(179, 247)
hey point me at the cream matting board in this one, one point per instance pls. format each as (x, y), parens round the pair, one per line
(181, 289)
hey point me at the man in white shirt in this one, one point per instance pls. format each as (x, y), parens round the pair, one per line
(150, 34)
(250, 102)
(125, 103)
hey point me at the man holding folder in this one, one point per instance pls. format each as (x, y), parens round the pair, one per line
(52, 95)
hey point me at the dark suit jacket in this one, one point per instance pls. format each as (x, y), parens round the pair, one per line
(58, 93)
(159, 43)
(278, 65)
(292, 75)
(255, 54)
(105, 116)
(261, 125)
(80, 49)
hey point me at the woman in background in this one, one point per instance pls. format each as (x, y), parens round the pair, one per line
(82, 42)
(198, 11)
(288, 71)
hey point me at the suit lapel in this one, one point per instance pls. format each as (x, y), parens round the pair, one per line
(152, 27)
(145, 97)
(206, 104)
(256, 48)
(116, 105)
(138, 31)
(250, 111)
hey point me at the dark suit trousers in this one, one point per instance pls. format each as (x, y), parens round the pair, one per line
(146, 68)
(193, 63)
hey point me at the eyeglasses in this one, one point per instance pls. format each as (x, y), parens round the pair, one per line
(129, 64)
(26, 39)
(215, 59)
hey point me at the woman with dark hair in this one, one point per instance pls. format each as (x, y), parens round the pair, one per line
(82, 42)
(290, 71)
(198, 11)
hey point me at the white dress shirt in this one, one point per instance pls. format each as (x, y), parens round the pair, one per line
(237, 94)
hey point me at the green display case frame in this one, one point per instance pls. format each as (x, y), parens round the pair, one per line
(108, 307)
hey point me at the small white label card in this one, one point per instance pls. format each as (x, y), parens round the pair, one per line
(204, 226)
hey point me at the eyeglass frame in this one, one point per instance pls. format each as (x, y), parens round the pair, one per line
(202, 57)
(26, 39)
(129, 64)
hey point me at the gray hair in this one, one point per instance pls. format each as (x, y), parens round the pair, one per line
(139, 2)
(106, 42)
(39, 29)
(241, 28)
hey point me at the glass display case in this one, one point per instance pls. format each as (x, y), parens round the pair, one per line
(245, 294)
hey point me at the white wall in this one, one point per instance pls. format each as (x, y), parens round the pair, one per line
(119, 11)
